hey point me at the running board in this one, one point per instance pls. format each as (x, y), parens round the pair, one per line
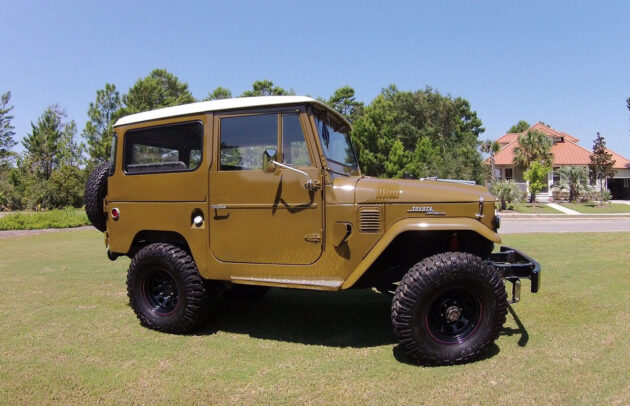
(284, 281)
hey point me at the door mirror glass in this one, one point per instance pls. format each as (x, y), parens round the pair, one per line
(269, 155)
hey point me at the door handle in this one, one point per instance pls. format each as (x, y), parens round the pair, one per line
(220, 211)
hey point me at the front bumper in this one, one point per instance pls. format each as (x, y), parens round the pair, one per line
(514, 265)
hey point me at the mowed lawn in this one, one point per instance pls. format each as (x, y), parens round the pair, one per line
(68, 336)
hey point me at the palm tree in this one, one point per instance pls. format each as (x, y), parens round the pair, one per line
(534, 146)
(574, 178)
(491, 147)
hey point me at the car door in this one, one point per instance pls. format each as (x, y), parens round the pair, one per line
(258, 216)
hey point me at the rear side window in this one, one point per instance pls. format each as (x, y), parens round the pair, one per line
(170, 148)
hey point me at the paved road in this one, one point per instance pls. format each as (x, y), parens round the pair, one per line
(556, 225)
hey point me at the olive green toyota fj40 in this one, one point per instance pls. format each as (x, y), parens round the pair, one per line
(239, 195)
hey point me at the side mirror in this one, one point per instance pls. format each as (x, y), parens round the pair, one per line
(270, 156)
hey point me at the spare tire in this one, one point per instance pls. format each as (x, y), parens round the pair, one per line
(95, 191)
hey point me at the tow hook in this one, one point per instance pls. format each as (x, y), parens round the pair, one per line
(516, 291)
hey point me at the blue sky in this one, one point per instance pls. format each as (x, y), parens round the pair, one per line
(566, 63)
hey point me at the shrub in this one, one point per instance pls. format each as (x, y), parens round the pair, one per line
(506, 192)
(68, 217)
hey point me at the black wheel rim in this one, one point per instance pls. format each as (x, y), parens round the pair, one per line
(160, 292)
(454, 316)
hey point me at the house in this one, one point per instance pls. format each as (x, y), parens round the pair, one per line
(566, 152)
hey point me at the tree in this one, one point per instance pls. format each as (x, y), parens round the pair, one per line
(491, 147)
(601, 166)
(519, 127)
(51, 144)
(6, 129)
(506, 192)
(535, 175)
(534, 146)
(438, 134)
(573, 178)
(344, 101)
(159, 89)
(219, 93)
(99, 130)
(265, 88)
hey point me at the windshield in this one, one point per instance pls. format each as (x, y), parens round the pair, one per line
(336, 142)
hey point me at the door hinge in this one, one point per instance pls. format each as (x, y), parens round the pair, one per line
(313, 237)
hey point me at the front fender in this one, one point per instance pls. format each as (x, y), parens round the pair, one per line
(418, 224)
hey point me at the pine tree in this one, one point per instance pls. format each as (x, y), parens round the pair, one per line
(99, 130)
(266, 88)
(219, 93)
(51, 144)
(6, 129)
(601, 166)
(158, 89)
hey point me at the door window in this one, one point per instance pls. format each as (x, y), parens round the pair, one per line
(245, 138)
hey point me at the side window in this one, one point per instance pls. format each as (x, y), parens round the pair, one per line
(294, 146)
(245, 138)
(169, 148)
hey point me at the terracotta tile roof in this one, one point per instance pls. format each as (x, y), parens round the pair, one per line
(506, 155)
(564, 153)
(509, 137)
(620, 162)
(569, 153)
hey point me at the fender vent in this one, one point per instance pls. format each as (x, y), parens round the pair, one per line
(370, 220)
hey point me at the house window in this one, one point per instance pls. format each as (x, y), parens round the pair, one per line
(509, 174)
(625, 183)
(556, 175)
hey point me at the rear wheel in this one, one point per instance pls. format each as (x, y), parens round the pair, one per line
(165, 289)
(449, 308)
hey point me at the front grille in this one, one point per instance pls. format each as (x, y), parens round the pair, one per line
(370, 220)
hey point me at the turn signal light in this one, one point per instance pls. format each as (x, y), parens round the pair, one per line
(115, 213)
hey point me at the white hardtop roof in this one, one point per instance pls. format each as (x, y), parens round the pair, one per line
(223, 104)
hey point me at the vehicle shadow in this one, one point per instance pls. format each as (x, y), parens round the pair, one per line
(509, 331)
(354, 318)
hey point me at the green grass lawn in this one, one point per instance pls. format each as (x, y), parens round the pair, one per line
(68, 336)
(534, 208)
(63, 218)
(596, 208)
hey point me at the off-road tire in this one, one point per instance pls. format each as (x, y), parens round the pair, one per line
(165, 289)
(95, 191)
(246, 292)
(436, 288)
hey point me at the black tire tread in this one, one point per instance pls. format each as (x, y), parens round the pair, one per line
(196, 300)
(95, 191)
(436, 269)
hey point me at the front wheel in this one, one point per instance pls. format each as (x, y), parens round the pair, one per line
(449, 309)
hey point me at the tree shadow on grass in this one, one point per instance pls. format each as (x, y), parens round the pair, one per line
(354, 318)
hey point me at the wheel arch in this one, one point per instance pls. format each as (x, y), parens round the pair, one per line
(413, 230)
(146, 237)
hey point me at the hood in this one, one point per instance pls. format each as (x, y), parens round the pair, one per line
(378, 190)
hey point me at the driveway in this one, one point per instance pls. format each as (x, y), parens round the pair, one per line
(560, 225)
